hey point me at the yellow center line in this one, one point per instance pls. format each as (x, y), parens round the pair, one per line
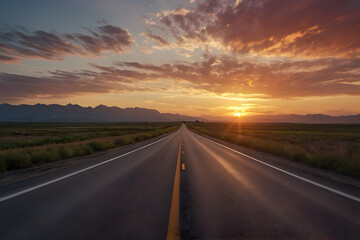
(173, 227)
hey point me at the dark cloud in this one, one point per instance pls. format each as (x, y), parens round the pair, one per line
(149, 67)
(161, 41)
(124, 75)
(318, 28)
(59, 84)
(108, 37)
(166, 21)
(7, 59)
(210, 6)
(17, 45)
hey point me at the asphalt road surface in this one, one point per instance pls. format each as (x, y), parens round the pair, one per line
(223, 195)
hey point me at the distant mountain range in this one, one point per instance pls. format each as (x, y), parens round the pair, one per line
(309, 118)
(101, 113)
(76, 113)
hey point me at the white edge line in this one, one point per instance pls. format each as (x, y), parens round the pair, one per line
(2, 199)
(286, 172)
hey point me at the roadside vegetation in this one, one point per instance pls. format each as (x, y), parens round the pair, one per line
(27, 145)
(331, 147)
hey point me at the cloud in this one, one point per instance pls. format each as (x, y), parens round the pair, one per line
(280, 79)
(107, 38)
(60, 84)
(17, 45)
(160, 40)
(311, 47)
(309, 28)
(7, 59)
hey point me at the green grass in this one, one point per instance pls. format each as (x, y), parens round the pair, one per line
(27, 145)
(331, 147)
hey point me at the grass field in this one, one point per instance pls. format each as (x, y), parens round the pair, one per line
(331, 147)
(27, 145)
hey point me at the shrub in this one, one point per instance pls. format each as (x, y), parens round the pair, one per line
(353, 166)
(16, 160)
(97, 145)
(65, 153)
(87, 150)
(78, 151)
(121, 141)
(2, 165)
(139, 138)
(44, 157)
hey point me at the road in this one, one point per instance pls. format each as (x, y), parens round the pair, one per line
(223, 195)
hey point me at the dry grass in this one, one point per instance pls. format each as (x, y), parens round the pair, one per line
(52, 142)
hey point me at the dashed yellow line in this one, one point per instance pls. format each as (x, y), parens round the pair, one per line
(183, 167)
(173, 227)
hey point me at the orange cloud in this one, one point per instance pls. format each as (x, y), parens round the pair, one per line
(275, 79)
(311, 28)
(280, 79)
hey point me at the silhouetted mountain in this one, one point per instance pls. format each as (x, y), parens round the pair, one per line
(309, 118)
(76, 113)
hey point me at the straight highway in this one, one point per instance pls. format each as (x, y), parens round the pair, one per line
(181, 185)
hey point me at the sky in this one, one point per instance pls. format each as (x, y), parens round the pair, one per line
(212, 59)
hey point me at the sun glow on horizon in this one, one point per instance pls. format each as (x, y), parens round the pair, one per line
(239, 111)
(237, 114)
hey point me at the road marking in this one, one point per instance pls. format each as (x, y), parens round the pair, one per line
(286, 172)
(173, 227)
(183, 166)
(2, 199)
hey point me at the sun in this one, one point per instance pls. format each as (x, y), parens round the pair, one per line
(237, 114)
